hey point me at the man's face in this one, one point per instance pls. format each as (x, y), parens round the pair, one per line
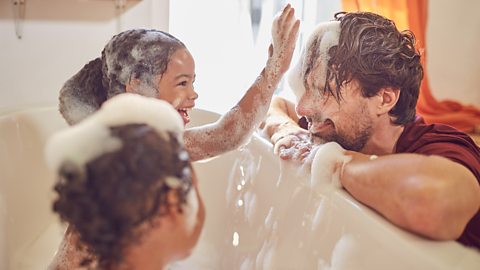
(348, 121)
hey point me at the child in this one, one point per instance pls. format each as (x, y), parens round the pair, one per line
(156, 64)
(126, 186)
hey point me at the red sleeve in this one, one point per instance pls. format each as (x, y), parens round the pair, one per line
(454, 152)
(468, 158)
(445, 141)
(440, 140)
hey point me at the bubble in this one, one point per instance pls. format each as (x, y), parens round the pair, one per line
(235, 239)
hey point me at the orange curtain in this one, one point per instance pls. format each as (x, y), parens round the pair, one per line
(412, 14)
(392, 9)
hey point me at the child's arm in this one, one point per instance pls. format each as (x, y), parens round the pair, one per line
(233, 128)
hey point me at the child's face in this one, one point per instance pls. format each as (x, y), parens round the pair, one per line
(176, 83)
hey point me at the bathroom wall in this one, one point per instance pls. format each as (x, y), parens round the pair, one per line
(453, 60)
(59, 37)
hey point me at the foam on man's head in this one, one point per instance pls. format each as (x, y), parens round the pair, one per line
(91, 138)
(315, 57)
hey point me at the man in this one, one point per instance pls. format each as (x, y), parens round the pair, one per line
(357, 84)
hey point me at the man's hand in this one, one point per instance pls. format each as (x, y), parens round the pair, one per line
(290, 141)
(284, 36)
(293, 145)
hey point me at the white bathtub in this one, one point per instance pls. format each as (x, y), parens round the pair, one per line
(260, 213)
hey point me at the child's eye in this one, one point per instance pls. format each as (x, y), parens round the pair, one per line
(183, 83)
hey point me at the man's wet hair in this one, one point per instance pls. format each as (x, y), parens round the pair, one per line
(375, 53)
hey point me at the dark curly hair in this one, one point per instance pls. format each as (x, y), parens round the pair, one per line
(106, 201)
(372, 51)
(137, 53)
(143, 53)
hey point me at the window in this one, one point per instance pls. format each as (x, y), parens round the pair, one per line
(229, 41)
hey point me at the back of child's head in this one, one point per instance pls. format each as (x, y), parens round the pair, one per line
(115, 170)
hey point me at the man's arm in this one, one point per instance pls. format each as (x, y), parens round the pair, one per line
(281, 126)
(429, 195)
(281, 119)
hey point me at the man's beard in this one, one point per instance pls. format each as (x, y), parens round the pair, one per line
(353, 143)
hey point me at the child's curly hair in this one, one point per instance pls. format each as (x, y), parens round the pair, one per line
(108, 199)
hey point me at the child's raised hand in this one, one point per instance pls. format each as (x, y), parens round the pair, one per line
(284, 36)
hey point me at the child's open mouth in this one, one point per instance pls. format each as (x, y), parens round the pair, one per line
(184, 114)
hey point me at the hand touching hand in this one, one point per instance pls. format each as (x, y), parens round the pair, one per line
(284, 36)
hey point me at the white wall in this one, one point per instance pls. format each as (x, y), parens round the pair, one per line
(453, 59)
(59, 37)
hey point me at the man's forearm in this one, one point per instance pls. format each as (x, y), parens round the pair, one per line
(281, 119)
(428, 195)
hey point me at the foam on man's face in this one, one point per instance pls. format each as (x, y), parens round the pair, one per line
(311, 69)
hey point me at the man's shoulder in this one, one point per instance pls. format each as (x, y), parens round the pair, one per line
(442, 140)
(417, 134)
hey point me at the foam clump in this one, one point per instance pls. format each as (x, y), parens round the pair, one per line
(75, 110)
(315, 55)
(325, 169)
(91, 137)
